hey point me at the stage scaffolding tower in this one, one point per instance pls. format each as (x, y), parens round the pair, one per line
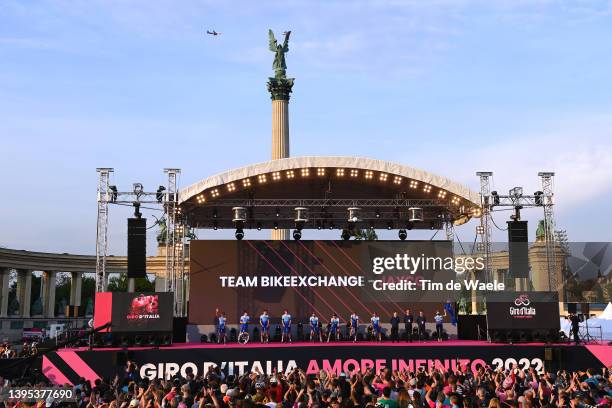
(547, 179)
(175, 277)
(102, 226)
(485, 219)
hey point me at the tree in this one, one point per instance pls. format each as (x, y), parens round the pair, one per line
(120, 284)
(367, 234)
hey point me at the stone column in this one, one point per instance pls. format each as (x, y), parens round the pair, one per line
(24, 291)
(75, 291)
(280, 89)
(48, 284)
(5, 274)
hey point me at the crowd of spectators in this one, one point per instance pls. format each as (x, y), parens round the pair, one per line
(486, 388)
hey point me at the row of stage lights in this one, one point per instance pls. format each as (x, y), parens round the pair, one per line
(301, 218)
(322, 172)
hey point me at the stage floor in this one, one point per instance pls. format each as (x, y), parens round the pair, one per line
(235, 345)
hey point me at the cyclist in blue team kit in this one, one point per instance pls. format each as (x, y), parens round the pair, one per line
(244, 324)
(314, 328)
(376, 333)
(334, 324)
(286, 322)
(354, 321)
(264, 321)
(221, 319)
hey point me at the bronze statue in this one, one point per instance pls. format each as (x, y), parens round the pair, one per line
(279, 65)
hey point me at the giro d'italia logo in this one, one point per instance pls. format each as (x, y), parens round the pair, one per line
(522, 309)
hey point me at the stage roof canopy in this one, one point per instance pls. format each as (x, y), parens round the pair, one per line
(327, 187)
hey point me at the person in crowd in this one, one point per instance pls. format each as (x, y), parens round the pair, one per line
(264, 322)
(334, 328)
(315, 330)
(421, 321)
(376, 329)
(408, 320)
(354, 322)
(395, 321)
(286, 327)
(221, 330)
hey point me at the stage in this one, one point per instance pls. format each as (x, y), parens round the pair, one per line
(67, 365)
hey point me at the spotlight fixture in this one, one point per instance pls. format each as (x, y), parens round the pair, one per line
(239, 234)
(415, 214)
(160, 193)
(278, 212)
(353, 215)
(377, 214)
(240, 214)
(390, 225)
(138, 188)
(259, 226)
(480, 230)
(495, 197)
(402, 234)
(215, 225)
(297, 234)
(114, 193)
(215, 214)
(275, 225)
(319, 226)
(346, 234)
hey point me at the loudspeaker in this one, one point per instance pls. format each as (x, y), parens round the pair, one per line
(572, 308)
(518, 251)
(137, 247)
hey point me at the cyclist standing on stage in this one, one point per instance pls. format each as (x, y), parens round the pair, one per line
(334, 324)
(244, 324)
(314, 328)
(376, 334)
(221, 319)
(264, 321)
(286, 322)
(354, 321)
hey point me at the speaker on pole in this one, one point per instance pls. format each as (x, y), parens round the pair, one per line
(518, 252)
(137, 247)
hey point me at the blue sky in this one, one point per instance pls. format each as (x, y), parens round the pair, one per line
(450, 86)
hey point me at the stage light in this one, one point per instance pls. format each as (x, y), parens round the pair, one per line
(276, 176)
(320, 172)
(319, 226)
(415, 214)
(480, 230)
(113, 196)
(377, 214)
(201, 199)
(426, 188)
(214, 193)
(354, 172)
(297, 234)
(538, 198)
(455, 200)
(290, 174)
(383, 177)
(346, 234)
(353, 216)
(331, 226)
(246, 183)
(138, 188)
(369, 174)
(262, 178)
(259, 226)
(278, 212)
(240, 214)
(231, 187)
(301, 216)
(305, 172)
(397, 180)
(516, 192)
(159, 196)
(495, 197)
(390, 225)
(340, 172)
(275, 225)
(414, 184)
(239, 234)
(402, 234)
(441, 194)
